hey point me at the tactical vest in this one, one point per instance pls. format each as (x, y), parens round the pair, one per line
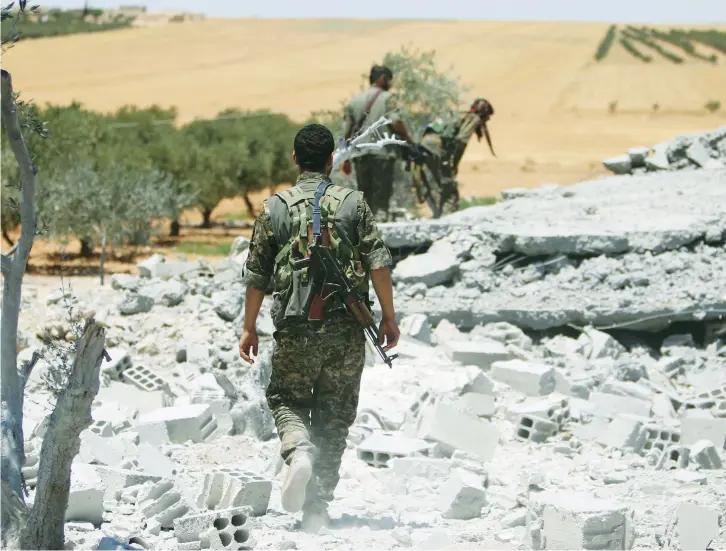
(292, 221)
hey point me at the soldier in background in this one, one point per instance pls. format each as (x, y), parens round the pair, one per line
(446, 144)
(375, 169)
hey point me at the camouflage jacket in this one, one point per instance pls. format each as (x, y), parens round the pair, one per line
(264, 246)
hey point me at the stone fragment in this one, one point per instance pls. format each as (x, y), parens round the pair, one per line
(705, 454)
(132, 303)
(530, 378)
(618, 165)
(462, 496)
(427, 268)
(416, 326)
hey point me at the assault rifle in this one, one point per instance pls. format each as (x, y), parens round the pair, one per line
(326, 269)
(415, 158)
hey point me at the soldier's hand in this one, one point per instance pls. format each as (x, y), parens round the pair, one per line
(388, 333)
(248, 344)
(347, 167)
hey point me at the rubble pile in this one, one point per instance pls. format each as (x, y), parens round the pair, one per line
(509, 420)
(703, 150)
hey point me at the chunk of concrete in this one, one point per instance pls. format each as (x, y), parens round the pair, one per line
(530, 378)
(704, 453)
(480, 353)
(97, 449)
(146, 267)
(575, 520)
(598, 344)
(623, 433)
(637, 156)
(379, 448)
(462, 496)
(228, 487)
(482, 383)
(694, 429)
(429, 468)
(132, 303)
(478, 405)
(427, 268)
(620, 164)
(190, 527)
(659, 158)
(85, 499)
(697, 525)
(698, 153)
(610, 405)
(456, 430)
(153, 462)
(168, 293)
(177, 424)
(416, 326)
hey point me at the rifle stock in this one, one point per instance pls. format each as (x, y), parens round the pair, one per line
(317, 308)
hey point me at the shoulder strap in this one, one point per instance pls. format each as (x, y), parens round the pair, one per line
(291, 196)
(359, 123)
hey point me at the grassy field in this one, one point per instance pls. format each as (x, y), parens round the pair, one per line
(552, 123)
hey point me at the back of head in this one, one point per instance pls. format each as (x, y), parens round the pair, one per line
(482, 107)
(378, 71)
(313, 146)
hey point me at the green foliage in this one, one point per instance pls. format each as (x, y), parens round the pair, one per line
(643, 36)
(713, 106)
(56, 22)
(423, 90)
(628, 45)
(681, 40)
(604, 48)
(713, 37)
(476, 201)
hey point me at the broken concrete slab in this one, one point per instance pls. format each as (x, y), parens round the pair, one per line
(533, 379)
(610, 405)
(177, 424)
(697, 525)
(480, 353)
(622, 164)
(428, 268)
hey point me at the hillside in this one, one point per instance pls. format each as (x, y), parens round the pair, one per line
(551, 98)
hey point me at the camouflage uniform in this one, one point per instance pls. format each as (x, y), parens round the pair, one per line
(374, 170)
(316, 366)
(446, 155)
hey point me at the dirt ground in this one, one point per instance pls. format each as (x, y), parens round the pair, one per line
(551, 125)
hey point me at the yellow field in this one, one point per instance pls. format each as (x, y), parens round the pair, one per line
(551, 99)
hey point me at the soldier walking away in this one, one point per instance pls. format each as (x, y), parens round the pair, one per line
(375, 169)
(445, 145)
(316, 365)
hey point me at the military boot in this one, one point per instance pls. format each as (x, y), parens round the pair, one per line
(298, 476)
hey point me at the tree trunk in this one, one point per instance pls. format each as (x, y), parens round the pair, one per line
(175, 226)
(207, 214)
(248, 204)
(103, 254)
(71, 415)
(86, 247)
(12, 383)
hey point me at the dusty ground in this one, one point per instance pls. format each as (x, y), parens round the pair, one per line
(551, 125)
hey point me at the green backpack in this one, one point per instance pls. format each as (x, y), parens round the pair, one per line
(294, 286)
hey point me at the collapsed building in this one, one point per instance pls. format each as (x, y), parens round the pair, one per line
(561, 384)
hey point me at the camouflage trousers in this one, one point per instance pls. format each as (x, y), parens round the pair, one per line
(374, 175)
(449, 200)
(313, 395)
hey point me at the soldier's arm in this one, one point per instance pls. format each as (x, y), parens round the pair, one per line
(258, 268)
(376, 259)
(397, 125)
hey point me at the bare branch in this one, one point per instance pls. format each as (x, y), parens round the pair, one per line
(362, 142)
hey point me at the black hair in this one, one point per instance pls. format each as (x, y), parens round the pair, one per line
(377, 71)
(313, 146)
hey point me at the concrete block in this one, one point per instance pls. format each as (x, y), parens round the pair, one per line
(480, 353)
(427, 268)
(610, 405)
(462, 496)
(97, 449)
(144, 378)
(164, 502)
(535, 429)
(189, 528)
(416, 326)
(153, 462)
(379, 448)
(620, 164)
(659, 159)
(697, 525)
(478, 405)
(675, 456)
(705, 454)
(146, 266)
(598, 344)
(111, 412)
(659, 437)
(530, 378)
(85, 499)
(698, 153)
(228, 487)
(430, 468)
(447, 331)
(694, 429)
(623, 433)
(555, 408)
(573, 520)
(101, 428)
(114, 479)
(482, 383)
(120, 360)
(132, 397)
(176, 424)
(455, 430)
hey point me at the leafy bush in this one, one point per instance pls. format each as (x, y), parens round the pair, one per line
(628, 45)
(713, 106)
(56, 22)
(604, 48)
